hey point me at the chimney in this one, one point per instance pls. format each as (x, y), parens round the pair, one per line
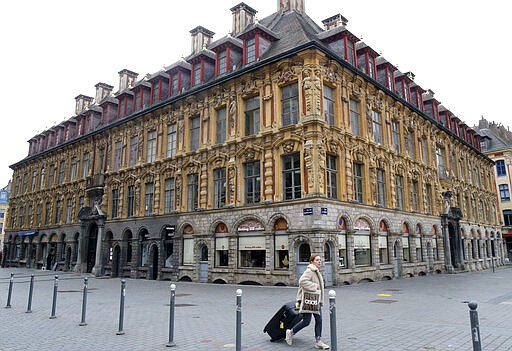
(334, 21)
(82, 103)
(290, 5)
(126, 79)
(243, 15)
(102, 91)
(201, 37)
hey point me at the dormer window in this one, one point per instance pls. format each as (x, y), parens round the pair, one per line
(222, 61)
(197, 73)
(175, 84)
(156, 91)
(250, 50)
(350, 51)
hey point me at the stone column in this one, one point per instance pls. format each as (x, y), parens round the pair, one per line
(446, 242)
(81, 247)
(97, 270)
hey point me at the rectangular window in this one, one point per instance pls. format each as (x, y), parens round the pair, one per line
(62, 170)
(197, 73)
(151, 155)
(221, 251)
(29, 216)
(169, 195)
(85, 165)
(399, 181)
(47, 214)
(395, 136)
(131, 200)
(358, 182)
(428, 198)
(332, 176)
(381, 188)
(504, 192)
(69, 208)
(222, 62)
(34, 180)
(192, 191)
(51, 177)
(252, 115)
(102, 161)
(414, 196)
(25, 182)
(424, 152)
(115, 202)
(41, 179)
(329, 105)
(250, 50)
(134, 150)
(409, 141)
(118, 149)
(252, 182)
(72, 173)
(354, 117)
(174, 84)
(291, 177)
(39, 209)
(194, 133)
(156, 91)
(219, 187)
(507, 217)
(440, 163)
(171, 140)
(362, 252)
(377, 127)
(350, 52)
(148, 203)
(58, 209)
(406, 251)
(501, 169)
(282, 256)
(383, 249)
(220, 126)
(252, 251)
(290, 104)
(20, 217)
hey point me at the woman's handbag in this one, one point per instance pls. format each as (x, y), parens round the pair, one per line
(310, 302)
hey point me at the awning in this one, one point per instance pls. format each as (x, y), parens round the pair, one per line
(26, 233)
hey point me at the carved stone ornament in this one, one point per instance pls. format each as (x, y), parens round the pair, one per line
(312, 92)
(288, 146)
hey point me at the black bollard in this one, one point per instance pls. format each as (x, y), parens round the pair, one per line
(475, 326)
(171, 342)
(121, 308)
(30, 291)
(332, 317)
(84, 303)
(9, 295)
(54, 303)
(239, 320)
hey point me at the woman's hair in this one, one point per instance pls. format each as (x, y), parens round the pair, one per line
(312, 257)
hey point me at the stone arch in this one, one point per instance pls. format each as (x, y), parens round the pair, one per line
(246, 218)
(278, 218)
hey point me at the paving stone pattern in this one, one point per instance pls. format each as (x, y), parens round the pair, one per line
(423, 313)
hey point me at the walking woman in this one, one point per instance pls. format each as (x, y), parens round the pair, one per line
(311, 281)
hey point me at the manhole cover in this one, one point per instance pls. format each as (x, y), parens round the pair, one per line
(383, 301)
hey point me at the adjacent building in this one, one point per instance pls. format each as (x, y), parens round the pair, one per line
(4, 204)
(497, 144)
(235, 163)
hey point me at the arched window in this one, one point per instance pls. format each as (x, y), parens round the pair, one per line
(419, 244)
(281, 254)
(251, 245)
(221, 246)
(188, 245)
(342, 242)
(362, 248)
(383, 243)
(405, 243)
(304, 252)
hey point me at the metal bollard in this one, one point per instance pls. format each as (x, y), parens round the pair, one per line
(171, 342)
(493, 266)
(9, 295)
(238, 320)
(30, 291)
(121, 308)
(54, 303)
(332, 317)
(84, 303)
(475, 327)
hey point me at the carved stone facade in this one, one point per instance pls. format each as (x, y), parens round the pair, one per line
(178, 204)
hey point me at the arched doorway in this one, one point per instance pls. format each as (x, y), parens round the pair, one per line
(91, 246)
(303, 253)
(116, 261)
(154, 266)
(453, 245)
(203, 264)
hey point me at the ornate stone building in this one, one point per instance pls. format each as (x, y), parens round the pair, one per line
(235, 163)
(497, 145)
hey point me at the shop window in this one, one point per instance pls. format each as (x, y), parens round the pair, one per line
(251, 251)
(282, 256)
(221, 250)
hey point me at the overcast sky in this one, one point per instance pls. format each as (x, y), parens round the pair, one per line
(51, 51)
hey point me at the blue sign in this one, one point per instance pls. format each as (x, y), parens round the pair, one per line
(307, 211)
(323, 210)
